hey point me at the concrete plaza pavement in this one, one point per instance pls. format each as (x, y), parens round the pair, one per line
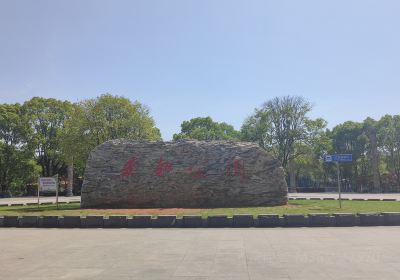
(199, 254)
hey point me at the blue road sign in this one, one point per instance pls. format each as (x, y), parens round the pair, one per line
(339, 158)
(328, 158)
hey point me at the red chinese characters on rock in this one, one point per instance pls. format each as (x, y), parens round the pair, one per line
(163, 167)
(236, 169)
(129, 168)
(198, 172)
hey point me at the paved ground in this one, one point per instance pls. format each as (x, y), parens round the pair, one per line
(24, 200)
(182, 254)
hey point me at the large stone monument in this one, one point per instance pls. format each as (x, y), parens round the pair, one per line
(187, 173)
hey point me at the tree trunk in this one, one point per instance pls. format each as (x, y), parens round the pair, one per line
(375, 162)
(397, 172)
(292, 177)
(70, 185)
(354, 179)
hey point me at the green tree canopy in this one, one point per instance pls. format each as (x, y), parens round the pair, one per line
(17, 167)
(46, 118)
(282, 126)
(107, 117)
(349, 138)
(206, 129)
(389, 143)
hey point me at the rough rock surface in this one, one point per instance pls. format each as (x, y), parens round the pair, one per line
(186, 173)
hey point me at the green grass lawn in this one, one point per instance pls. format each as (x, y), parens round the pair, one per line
(294, 207)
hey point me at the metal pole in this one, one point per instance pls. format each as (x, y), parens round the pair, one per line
(57, 192)
(38, 191)
(339, 188)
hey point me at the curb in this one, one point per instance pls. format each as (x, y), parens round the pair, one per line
(295, 220)
(41, 203)
(139, 222)
(192, 221)
(346, 219)
(269, 220)
(243, 221)
(48, 221)
(115, 222)
(391, 218)
(28, 221)
(344, 199)
(370, 219)
(220, 221)
(94, 221)
(321, 220)
(163, 222)
(71, 221)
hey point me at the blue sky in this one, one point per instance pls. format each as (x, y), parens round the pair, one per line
(222, 59)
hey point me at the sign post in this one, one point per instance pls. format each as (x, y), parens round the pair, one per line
(57, 185)
(338, 159)
(339, 185)
(48, 184)
(38, 194)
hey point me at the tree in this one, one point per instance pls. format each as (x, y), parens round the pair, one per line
(281, 126)
(111, 117)
(206, 129)
(46, 118)
(16, 165)
(70, 148)
(308, 164)
(389, 143)
(350, 138)
(370, 128)
(107, 117)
